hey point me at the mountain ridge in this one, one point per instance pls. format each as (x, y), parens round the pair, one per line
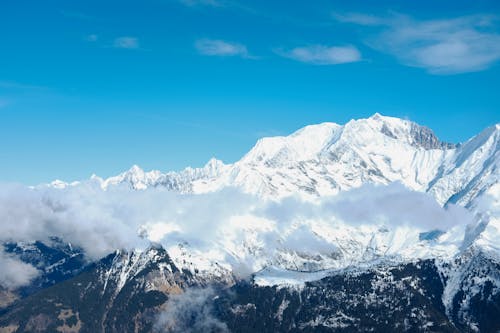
(328, 158)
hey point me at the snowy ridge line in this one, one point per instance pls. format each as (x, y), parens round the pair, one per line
(325, 159)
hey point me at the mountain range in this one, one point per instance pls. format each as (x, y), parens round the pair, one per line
(328, 158)
(375, 225)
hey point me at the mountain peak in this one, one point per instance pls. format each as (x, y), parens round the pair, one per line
(380, 117)
(399, 129)
(376, 116)
(214, 163)
(135, 169)
(302, 145)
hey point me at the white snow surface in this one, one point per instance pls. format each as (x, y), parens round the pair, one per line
(272, 276)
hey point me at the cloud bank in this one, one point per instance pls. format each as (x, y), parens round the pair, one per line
(120, 218)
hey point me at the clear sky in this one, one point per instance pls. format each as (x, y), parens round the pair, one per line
(93, 86)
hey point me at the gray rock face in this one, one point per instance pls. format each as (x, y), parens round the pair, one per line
(424, 137)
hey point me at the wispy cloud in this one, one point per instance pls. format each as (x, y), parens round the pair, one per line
(359, 18)
(442, 46)
(76, 15)
(126, 42)
(190, 311)
(91, 38)
(15, 273)
(322, 54)
(192, 3)
(234, 5)
(13, 85)
(217, 47)
(13, 92)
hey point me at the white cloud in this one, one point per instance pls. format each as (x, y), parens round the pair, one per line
(91, 38)
(190, 311)
(323, 55)
(101, 221)
(393, 205)
(217, 47)
(442, 46)
(192, 3)
(126, 43)
(14, 273)
(359, 18)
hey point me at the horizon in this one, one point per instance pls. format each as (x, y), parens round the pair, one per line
(91, 88)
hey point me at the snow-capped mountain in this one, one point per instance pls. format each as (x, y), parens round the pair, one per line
(321, 161)
(325, 159)
(329, 225)
(177, 181)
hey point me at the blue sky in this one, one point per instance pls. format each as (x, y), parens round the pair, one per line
(95, 86)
